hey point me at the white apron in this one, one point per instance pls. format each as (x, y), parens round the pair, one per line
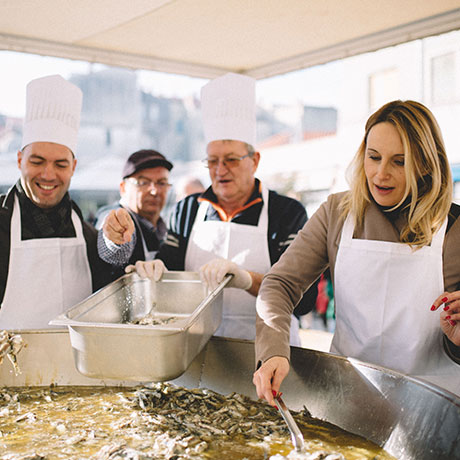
(46, 276)
(245, 245)
(383, 293)
(148, 255)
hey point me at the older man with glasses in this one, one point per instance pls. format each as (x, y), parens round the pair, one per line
(236, 226)
(143, 190)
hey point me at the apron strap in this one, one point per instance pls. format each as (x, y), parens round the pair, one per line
(77, 225)
(438, 238)
(263, 218)
(15, 223)
(347, 231)
(149, 255)
(202, 210)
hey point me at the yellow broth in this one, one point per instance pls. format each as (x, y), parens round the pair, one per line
(103, 422)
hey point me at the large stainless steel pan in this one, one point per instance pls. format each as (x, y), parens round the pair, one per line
(105, 340)
(408, 418)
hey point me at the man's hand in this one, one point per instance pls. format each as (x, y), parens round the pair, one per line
(269, 376)
(213, 273)
(153, 269)
(118, 226)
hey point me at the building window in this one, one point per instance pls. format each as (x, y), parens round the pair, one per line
(383, 88)
(443, 79)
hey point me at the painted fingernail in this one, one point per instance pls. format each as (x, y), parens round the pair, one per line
(446, 308)
(274, 393)
(448, 317)
(452, 323)
(433, 308)
(444, 299)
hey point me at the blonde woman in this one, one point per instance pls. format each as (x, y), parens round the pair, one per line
(392, 244)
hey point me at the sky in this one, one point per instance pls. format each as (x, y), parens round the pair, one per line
(313, 86)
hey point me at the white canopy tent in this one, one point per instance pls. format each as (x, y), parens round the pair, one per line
(206, 38)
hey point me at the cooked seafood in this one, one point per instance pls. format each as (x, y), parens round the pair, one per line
(10, 345)
(153, 320)
(161, 421)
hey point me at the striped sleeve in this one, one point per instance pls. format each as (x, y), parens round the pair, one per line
(286, 217)
(172, 241)
(284, 244)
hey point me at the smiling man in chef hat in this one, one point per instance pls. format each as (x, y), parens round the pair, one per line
(236, 226)
(46, 249)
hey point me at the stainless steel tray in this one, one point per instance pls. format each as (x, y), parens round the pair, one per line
(105, 346)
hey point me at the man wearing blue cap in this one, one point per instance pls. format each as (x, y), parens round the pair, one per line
(143, 190)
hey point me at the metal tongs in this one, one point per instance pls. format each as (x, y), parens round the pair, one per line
(296, 434)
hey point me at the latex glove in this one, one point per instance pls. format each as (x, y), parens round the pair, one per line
(118, 226)
(213, 273)
(153, 269)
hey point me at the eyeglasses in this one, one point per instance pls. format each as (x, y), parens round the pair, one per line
(228, 162)
(147, 184)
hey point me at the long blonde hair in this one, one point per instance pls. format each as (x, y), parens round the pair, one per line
(428, 177)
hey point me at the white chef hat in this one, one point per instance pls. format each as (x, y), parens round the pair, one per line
(228, 107)
(53, 107)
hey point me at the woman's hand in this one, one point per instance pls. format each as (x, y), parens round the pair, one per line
(450, 315)
(269, 376)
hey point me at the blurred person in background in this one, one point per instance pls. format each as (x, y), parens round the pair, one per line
(143, 190)
(325, 301)
(188, 186)
(322, 300)
(236, 226)
(392, 243)
(48, 253)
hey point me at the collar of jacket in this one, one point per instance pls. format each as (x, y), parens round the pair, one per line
(7, 202)
(256, 197)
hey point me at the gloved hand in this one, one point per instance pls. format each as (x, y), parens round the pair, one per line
(213, 273)
(148, 269)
